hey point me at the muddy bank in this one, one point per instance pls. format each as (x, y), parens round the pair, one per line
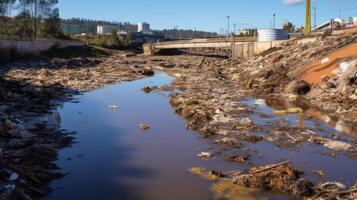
(213, 100)
(281, 177)
(29, 127)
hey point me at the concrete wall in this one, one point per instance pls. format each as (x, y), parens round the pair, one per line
(31, 47)
(243, 50)
(249, 49)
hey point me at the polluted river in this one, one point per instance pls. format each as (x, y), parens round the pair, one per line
(114, 157)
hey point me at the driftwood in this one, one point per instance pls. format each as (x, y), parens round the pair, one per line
(271, 167)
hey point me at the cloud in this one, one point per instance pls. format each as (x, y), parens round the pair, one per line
(293, 2)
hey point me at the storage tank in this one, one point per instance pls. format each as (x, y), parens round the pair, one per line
(266, 35)
(354, 20)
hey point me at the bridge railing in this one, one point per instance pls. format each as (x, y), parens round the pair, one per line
(235, 39)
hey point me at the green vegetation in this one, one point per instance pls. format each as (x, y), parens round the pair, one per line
(35, 19)
(77, 26)
(179, 33)
(289, 26)
(112, 41)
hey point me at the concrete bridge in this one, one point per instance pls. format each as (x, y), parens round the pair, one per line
(240, 47)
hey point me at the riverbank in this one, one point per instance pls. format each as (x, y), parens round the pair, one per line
(217, 97)
(31, 135)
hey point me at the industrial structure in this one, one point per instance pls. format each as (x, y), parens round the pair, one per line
(266, 35)
(143, 27)
(106, 29)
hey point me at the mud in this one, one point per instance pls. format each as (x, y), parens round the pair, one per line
(281, 177)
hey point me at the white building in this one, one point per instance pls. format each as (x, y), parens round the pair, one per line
(143, 27)
(106, 29)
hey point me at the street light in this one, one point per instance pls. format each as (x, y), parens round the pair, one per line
(315, 19)
(274, 15)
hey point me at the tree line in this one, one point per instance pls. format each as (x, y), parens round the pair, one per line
(34, 19)
(89, 26)
(187, 34)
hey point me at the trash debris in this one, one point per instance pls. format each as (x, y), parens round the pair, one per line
(320, 173)
(144, 126)
(113, 107)
(325, 60)
(205, 155)
(247, 122)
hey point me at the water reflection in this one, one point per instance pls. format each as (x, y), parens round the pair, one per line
(114, 159)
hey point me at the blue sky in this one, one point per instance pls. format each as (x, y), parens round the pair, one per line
(208, 15)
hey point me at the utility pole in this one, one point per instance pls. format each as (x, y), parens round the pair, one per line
(274, 15)
(180, 33)
(308, 18)
(234, 25)
(228, 26)
(174, 32)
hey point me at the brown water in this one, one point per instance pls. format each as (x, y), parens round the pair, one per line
(114, 159)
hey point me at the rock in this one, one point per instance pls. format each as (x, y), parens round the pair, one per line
(147, 72)
(298, 87)
(144, 126)
(149, 89)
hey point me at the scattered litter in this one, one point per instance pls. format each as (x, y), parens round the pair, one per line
(113, 107)
(247, 122)
(205, 155)
(144, 126)
(337, 145)
(325, 60)
(320, 173)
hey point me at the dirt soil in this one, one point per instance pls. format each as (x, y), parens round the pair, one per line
(209, 97)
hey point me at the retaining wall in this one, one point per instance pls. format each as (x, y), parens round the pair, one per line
(249, 49)
(10, 48)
